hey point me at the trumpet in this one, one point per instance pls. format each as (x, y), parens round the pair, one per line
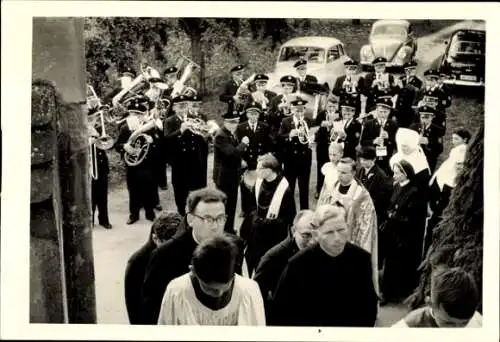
(303, 132)
(382, 81)
(200, 127)
(286, 105)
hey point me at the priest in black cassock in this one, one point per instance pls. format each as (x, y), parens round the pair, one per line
(329, 283)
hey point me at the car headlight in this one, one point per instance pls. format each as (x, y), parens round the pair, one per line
(366, 53)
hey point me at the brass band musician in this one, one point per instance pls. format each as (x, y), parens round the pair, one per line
(379, 83)
(303, 79)
(296, 143)
(186, 157)
(352, 128)
(410, 86)
(432, 95)
(380, 132)
(259, 94)
(350, 85)
(259, 143)
(99, 163)
(141, 183)
(228, 96)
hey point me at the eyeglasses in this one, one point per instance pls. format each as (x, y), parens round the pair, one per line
(221, 219)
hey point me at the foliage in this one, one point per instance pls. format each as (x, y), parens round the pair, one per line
(458, 238)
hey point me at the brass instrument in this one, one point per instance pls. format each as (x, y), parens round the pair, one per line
(303, 132)
(93, 101)
(286, 102)
(350, 85)
(93, 159)
(200, 127)
(139, 141)
(382, 81)
(190, 67)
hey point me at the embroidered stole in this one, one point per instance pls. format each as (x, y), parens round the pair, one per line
(274, 207)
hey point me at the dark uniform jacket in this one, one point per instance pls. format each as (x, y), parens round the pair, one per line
(275, 115)
(372, 131)
(379, 185)
(293, 150)
(308, 79)
(407, 98)
(434, 135)
(167, 262)
(438, 99)
(230, 90)
(340, 91)
(183, 148)
(372, 93)
(353, 131)
(260, 142)
(227, 159)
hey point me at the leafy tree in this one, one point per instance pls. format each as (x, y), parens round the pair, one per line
(458, 238)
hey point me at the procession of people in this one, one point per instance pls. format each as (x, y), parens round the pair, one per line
(379, 193)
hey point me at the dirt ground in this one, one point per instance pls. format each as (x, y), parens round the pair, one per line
(112, 248)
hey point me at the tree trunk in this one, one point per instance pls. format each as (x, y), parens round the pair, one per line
(62, 265)
(458, 238)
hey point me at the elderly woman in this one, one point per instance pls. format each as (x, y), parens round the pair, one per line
(275, 210)
(441, 186)
(403, 233)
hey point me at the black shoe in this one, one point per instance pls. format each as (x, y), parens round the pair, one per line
(107, 225)
(159, 208)
(150, 216)
(132, 220)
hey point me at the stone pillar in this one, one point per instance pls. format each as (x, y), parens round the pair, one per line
(61, 264)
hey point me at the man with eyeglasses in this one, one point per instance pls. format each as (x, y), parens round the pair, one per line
(328, 284)
(205, 218)
(212, 293)
(273, 263)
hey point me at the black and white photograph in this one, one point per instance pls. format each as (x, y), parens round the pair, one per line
(251, 168)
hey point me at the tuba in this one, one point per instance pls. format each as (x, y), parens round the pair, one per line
(189, 68)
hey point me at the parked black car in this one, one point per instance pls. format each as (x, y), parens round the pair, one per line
(463, 61)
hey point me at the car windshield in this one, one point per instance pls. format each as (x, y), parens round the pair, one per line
(467, 44)
(389, 30)
(309, 53)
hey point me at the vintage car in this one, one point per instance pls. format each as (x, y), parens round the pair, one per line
(463, 61)
(391, 39)
(325, 60)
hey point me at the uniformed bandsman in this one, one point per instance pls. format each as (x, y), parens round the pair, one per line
(431, 135)
(280, 108)
(303, 79)
(410, 86)
(352, 128)
(351, 85)
(296, 154)
(99, 189)
(228, 96)
(170, 77)
(260, 143)
(141, 182)
(194, 105)
(433, 96)
(185, 155)
(379, 83)
(259, 94)
(380, 132)
(126, 75)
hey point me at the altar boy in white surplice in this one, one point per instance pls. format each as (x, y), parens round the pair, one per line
(361, 214)
(212, 293)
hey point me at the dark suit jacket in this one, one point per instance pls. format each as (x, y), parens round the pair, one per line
(434, 134)
(134, 278)
(372, 93)
(167, 262)
(379, 185)
(230, 90)
(351, 140)
(227, 159)
(272, 264)
(265, 112)
(309, 79)
(260, 142)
